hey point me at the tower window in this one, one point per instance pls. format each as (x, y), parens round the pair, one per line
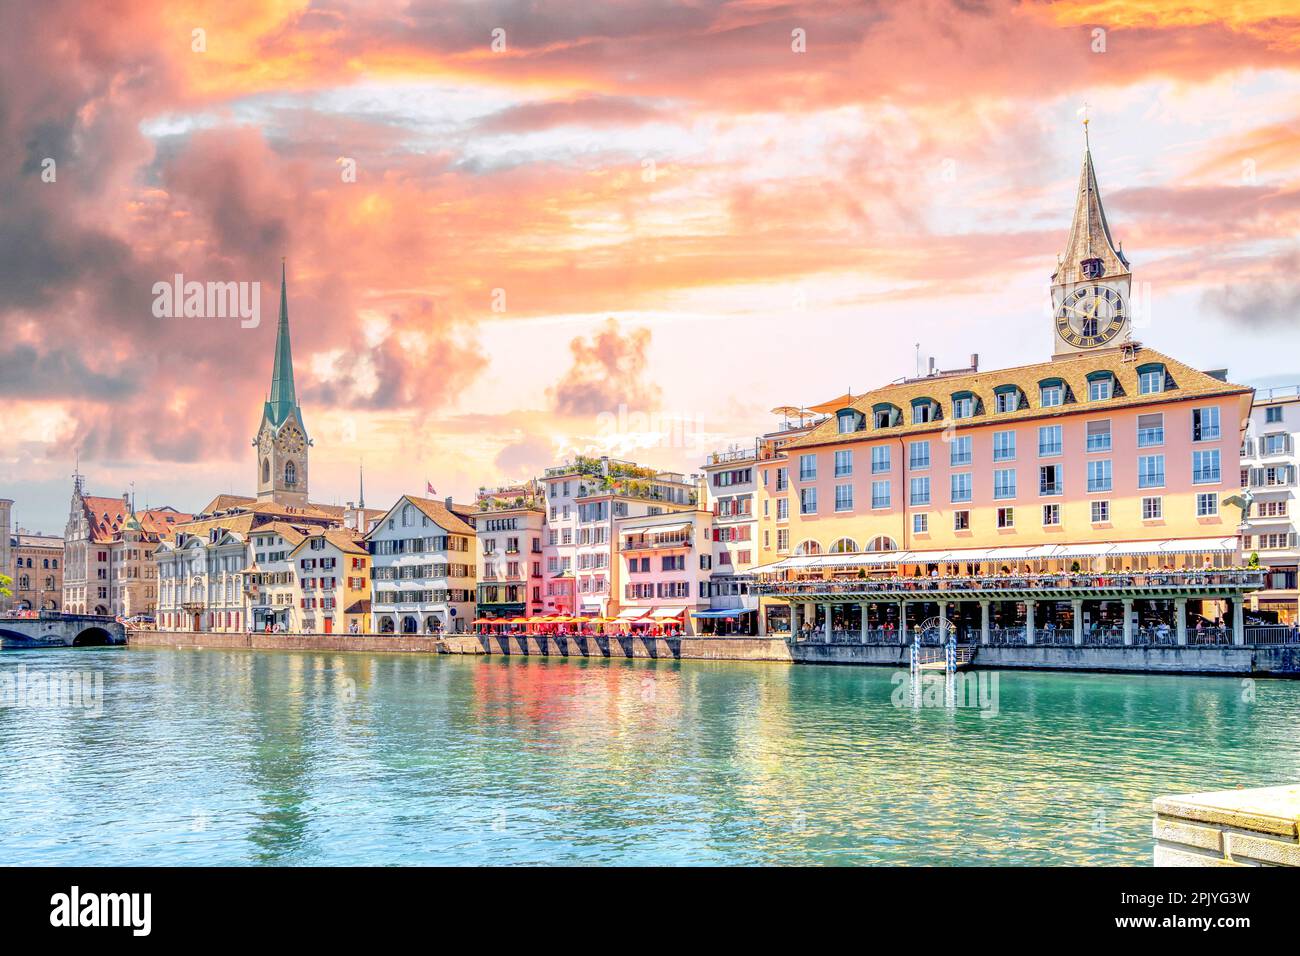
(266, 470)
(1091, 268)
(290, 474)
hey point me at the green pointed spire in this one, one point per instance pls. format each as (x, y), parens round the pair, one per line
(283, 398)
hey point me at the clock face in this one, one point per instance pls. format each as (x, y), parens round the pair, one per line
(292, 441)
(1091, 316)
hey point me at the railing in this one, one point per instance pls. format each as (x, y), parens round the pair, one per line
(1008, 637)
(662, 543)
(1272, 634)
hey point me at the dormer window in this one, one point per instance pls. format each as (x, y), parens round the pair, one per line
(924, 410)
(964, 405)
(1009, 398)
(849, 420)
(1091, 268)
(1101, 386)
(885, 415)
(1051, 393)
(1151, 378)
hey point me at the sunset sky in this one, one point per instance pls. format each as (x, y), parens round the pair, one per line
(661, 207)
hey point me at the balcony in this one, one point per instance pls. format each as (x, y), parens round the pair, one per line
(660, 543)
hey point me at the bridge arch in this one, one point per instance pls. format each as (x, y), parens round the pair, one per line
(92, 637)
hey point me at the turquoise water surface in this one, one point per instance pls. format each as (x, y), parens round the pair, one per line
(224, 757)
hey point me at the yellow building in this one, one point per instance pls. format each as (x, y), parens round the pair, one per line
(331, 582)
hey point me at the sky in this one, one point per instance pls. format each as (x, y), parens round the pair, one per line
(518, 230)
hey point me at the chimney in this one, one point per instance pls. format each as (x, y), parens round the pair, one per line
(448, 503)
(931, 364)
(974, 361)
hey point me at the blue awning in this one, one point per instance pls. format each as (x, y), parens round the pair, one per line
(730, 612)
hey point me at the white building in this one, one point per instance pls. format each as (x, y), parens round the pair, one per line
(423, 568)
(664, 563)
(584, 498)
(1269, 467)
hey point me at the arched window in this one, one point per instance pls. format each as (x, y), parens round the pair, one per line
(844, 546)
(808, 547)
(408, 516)
(290, 474)
(24, 583)
(266, 470)
(882, 543)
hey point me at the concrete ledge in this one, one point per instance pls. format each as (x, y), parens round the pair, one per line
(698, 648)
(1259, 827)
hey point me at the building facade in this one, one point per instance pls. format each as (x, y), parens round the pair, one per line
(665, 564)
(1269, 473)
(584, 498)
(331, 578)
(36, 567)
(510, 527)
(423, 568)
(1110, 457)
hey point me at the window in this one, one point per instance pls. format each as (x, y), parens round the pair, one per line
(783, 539)
(807, 467)
(924, 410)
(782, 479)
(843, 497)
(1049, 441)
(1153, 508)
(1151, 471)
(1099, 435)
(1004, 446)
(843, 463)
(849, 420)
(1151, 379)
(963, 407)
(1006, 517)
(1205, 467)
(961, 486)
(1207, 505)
(1099, 475)
(919, 491)
(1101, 388)
(961, 521)
(880, 459)
(919, 455)
(1004, 483)
(1051, 515)
(782, 509)
(807, 501)
(1008, 399)
(1278, 443)
(1151, 430)
(1050, 481)
(880, 494)
(920, 523)
(1205, 424)
(1100, 512)
(885, 415)
(960, 451)
(1273, 413)
(1051, 395)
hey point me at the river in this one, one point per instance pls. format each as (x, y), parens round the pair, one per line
(203, 757)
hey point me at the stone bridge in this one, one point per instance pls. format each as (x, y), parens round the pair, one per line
(53, 629)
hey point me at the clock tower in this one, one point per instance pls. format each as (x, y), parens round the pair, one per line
(282, 441)
(1090, 288)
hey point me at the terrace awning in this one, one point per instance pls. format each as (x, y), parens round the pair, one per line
(1022, 553)
(663, 613)
(632, 612)
(724, 612)
(657, 528)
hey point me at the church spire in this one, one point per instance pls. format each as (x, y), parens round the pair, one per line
(283, 398)
(1090, 252)
(361, 496)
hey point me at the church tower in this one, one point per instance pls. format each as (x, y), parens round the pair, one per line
(282, 441)
(1090, 288)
